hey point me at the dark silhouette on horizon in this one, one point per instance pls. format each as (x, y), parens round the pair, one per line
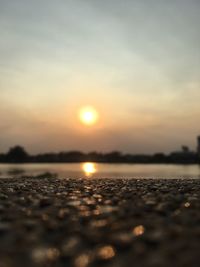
(18, 154)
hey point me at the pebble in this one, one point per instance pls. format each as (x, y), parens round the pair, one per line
(105, 222)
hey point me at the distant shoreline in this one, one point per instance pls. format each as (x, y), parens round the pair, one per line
(112, 163)
(18, 154)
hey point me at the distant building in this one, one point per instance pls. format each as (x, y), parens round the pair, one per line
(198, 146)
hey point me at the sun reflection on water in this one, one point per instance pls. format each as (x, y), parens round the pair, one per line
(89, 168)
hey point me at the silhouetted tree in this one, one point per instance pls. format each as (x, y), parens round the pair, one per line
(159, 158)
(17, 154)
(114, 156)
(2, 157)
(95, 157)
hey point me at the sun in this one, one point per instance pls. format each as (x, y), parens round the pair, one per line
(88, 115)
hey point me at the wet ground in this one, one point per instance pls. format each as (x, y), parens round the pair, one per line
(111, 223)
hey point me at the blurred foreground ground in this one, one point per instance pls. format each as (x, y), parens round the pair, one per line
(112, 223)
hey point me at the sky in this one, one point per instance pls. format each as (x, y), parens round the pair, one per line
(136, 62)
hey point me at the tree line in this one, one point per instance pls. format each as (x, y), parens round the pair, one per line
(18, 154)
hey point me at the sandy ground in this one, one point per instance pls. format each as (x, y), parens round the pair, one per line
(113, 223)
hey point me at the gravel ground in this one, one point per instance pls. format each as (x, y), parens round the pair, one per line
(105, 222)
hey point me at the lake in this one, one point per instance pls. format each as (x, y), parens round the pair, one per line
(97, 170)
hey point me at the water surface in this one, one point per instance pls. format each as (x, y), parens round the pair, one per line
(96, 170)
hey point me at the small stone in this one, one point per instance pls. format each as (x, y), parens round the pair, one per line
(44, 202)
(105, 253)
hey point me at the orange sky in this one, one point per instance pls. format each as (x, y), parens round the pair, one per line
(137, 63)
